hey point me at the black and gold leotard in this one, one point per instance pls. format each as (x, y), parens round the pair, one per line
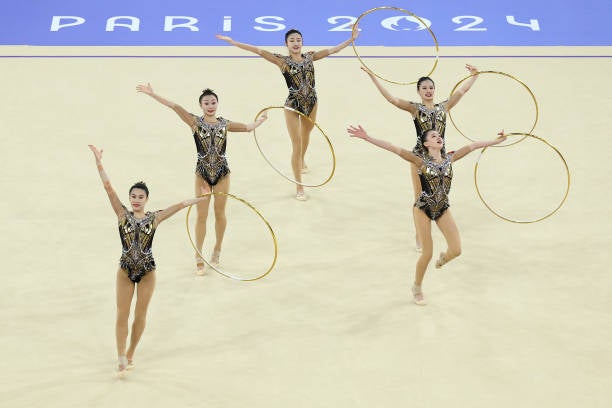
(136, 240)
(435, 184)
(300, 78)
(427, 119)
(211, 141)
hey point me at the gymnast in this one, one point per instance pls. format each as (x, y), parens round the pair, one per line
(136, 266)
(435, 173)
(298, 70)
(212, 170)
(426, 115)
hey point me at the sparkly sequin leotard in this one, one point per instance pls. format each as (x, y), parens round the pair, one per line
(427, 119)
(300, 78)
(211, 141)
(435, 183)
(136, 240)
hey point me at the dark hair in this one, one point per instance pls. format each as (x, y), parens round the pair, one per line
(424, 136)
(140, 185)
(423, 79)
(207, 92)
(292, 31)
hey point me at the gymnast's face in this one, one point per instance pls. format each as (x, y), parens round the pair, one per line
(209, 105)
(434, 140)
(294, 43)
(138, 199)
(427, 90)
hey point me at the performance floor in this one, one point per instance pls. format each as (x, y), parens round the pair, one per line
(522, 318)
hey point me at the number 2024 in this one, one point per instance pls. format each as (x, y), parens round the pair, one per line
(466, 23)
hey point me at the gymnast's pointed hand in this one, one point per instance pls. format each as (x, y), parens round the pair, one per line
(358, 132)
(473, 70)
(97, 153)
(224, 38)
(367, 70)
(145, 89)
(501, 136)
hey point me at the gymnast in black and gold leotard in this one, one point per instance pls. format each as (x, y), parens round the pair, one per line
(435, 185)
(435, 171)
(428, 118)
(136, 240)
(300, 79)
(211, 142)
(426, 115)
(136, 271)
(212, 169)
(298, 71)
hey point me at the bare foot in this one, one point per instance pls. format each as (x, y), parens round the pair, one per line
(200, 266)
(214, 258)
(122, 365)
(417, 295)
(441, 261)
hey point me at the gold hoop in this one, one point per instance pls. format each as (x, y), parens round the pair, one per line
(228, 275)
(535, 102)
(356, 24)
(525, 135)
(331, 148)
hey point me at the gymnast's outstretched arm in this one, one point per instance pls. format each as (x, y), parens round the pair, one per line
(407, 155)
(249, 127)
(465, 150)
(112, 195)
(329, 51)
(458, 94)
(173, 209)
(398, 102)
(267, 55)
(185, 116)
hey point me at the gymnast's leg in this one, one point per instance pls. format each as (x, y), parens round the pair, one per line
(423, 224)
(220, 218)
(201, 187)
(125, 291)
(144, 292)
(293, 126)
(449, 229)
(416, 187)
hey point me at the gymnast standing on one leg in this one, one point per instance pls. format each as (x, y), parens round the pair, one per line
(435, 175)
(212, 170)
(298, 70)
(426, 115)
(136, 266)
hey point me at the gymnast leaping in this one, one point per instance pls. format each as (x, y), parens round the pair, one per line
(435, 175)
(426, 115)
(136, 265)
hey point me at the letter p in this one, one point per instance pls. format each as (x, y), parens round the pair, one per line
(58, 22)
